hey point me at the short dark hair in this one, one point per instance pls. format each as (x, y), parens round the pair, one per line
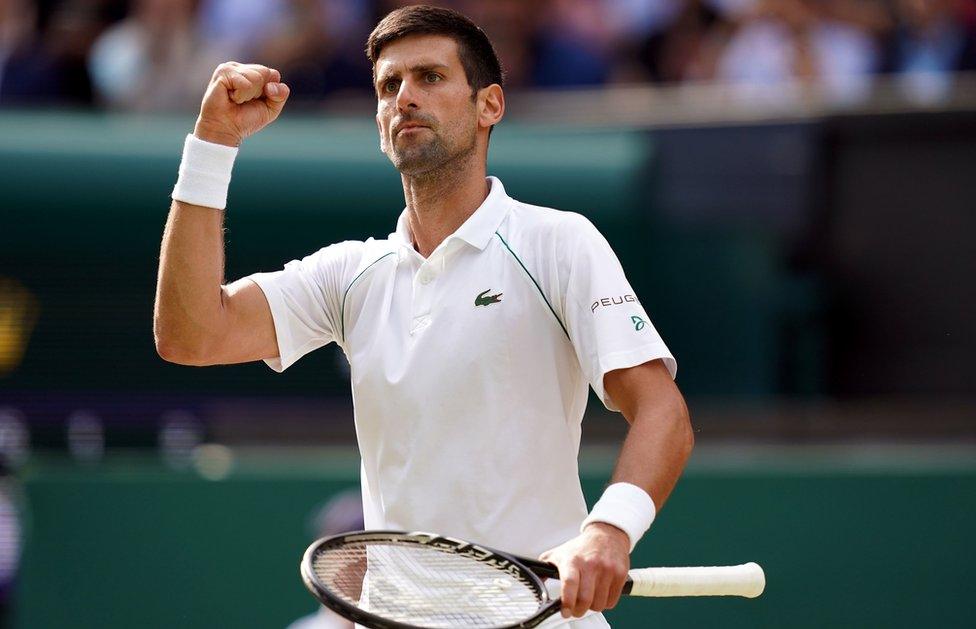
(478, 57)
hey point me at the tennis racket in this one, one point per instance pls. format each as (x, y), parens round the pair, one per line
(399, 580)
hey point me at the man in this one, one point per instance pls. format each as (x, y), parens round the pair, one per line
(471, 332)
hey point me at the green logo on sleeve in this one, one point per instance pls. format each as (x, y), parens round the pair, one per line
(483, 298)
(638, 323)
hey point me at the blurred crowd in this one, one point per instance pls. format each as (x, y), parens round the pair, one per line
(152, 55)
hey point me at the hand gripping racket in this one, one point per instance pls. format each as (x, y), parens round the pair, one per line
(399, 580)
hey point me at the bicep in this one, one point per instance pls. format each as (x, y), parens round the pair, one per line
(247, 327)
(643, 387)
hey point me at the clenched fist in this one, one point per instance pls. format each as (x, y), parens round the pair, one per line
(241, 100)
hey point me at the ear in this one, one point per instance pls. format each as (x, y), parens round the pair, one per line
(491, 105)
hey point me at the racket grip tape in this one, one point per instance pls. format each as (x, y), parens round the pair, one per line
(745, 580)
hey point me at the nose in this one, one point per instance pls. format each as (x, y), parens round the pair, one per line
(407, 96)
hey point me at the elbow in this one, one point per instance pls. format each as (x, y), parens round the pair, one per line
(179, 351)
(170, 352)
(173, 352)
(179, 355)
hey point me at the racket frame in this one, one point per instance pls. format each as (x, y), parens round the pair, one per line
(532, 571)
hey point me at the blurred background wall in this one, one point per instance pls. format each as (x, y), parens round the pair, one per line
(788, 183)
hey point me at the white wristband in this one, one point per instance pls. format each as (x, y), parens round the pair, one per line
(625, 506)
(204, 173)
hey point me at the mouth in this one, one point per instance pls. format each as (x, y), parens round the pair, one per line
(409, 129)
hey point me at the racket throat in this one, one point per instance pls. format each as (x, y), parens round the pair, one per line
(549, 609)
(543, 569)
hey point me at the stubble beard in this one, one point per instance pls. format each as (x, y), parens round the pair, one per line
(432, 160)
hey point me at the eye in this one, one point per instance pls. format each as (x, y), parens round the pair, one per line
(390, 86)
(432, 77)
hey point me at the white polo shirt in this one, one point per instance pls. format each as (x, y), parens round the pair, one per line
(470, 368)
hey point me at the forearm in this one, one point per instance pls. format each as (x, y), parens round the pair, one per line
(656, 449)
(189, 287)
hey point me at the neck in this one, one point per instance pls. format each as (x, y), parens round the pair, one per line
(438, 202)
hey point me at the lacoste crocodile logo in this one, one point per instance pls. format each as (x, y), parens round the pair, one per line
(483, 298)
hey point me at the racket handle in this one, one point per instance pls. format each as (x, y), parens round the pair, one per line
(746, 580)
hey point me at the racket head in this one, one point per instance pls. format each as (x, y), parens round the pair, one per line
(417, 580)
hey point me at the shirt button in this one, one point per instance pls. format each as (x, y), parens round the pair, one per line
(426, 277)
(419, 324)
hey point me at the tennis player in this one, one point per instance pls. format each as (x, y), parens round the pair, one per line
(472, 331)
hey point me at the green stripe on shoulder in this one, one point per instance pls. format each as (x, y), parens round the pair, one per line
(537, 287)
(342, 314)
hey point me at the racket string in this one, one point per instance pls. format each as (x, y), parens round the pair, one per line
(425, 586)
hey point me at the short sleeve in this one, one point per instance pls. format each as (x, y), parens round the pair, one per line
(305, 300)
(607, 324)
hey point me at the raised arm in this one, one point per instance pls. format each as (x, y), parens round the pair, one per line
(197, 319)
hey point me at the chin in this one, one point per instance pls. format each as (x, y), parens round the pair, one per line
(413, 169)
(417, 162)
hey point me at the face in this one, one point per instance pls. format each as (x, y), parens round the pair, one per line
(425, 112)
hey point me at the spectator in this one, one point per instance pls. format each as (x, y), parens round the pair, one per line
(317, 47)
(689, 48)
(17, 23)
(153, 60)
(341, 514)
(234, 26)
(930, 43)
(510, 24)
(10, 543)
(574, 45)
(788, 44)
(14, 451)
(43, 61)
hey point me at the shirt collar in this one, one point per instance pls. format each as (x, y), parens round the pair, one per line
(480, 226)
